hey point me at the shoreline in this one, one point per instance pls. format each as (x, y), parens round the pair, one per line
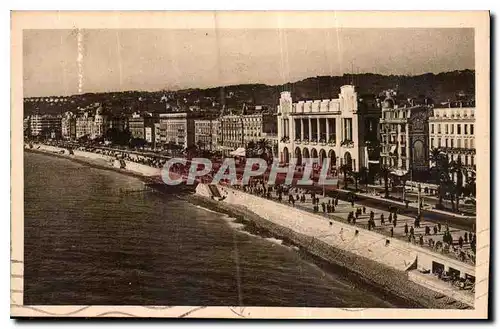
(389, 282)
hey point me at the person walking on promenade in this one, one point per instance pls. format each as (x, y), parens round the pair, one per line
(382, 221)
(470, 236)
(372, 215)
(392, 232)
(421, 240)
(435, 230)
(395, 215)
(460, 242)
(412, 231)
(394, 222)
(336, 202)
(466, 237)
(293, 202)
(323, 207)
(354, 220)
(427, 230)
(406, 229)
(364, 210)
(349, 218)
(439, 227)
(390, 218)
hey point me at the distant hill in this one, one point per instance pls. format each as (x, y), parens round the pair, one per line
(439, 87)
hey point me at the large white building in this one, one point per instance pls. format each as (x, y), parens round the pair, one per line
(452, 130)
(340, 129)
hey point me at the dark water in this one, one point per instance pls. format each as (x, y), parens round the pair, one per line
(88, 242)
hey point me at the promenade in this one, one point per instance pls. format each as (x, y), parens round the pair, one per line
(423, 233)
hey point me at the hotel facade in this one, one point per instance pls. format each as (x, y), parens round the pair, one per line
(341, 129)
(404, 131)
(452, 130)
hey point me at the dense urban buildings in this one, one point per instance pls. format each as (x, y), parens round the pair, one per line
(340, 129)
(238, 130)
(177, 128)
(45, 125)
(68, 126)
(404, 135)
(205, 134)
(452, 132)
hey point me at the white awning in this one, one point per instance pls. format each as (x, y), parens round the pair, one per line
(239, 152)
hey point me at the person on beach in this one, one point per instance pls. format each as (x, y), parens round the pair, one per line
(394, 222)
(406, 229)
(392, 232)
(412, 231)
(364, 210)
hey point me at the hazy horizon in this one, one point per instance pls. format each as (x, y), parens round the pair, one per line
(69, 62)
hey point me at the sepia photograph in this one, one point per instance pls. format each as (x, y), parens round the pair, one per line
(250, 164)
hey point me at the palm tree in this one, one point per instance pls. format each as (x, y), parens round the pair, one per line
(385, 172)
(363, 172)
(264, 148)
(356, 175)
(457, 170)
(441, 166)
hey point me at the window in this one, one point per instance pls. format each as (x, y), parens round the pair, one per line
(439, 128)
(472, 129)
(459, 126)
(471, 160)
(451, 143)
(466, 144)
(446, 129)
(466, 160)
(459, 143)
(432, 128)
(446, 142)
(432, 142)
(465, 129)
(471, 143)
(452, 128)
(403, 163)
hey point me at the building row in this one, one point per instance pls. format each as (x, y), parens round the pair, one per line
(375, 131)
(352, 130)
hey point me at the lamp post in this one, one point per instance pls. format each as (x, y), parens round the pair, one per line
(418, 199)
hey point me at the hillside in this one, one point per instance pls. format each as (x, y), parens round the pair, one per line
(439, 87)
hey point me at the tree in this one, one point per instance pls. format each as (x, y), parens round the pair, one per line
(442, 175)
(250, 149)
(385, 172)
(356, 175)
(264, 149)
(363, 175)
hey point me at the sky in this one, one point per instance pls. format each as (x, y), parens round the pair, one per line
(67, 62)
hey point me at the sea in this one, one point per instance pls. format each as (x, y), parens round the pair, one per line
(99, 237)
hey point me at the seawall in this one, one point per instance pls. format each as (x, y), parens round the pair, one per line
(386, 266)
(365, 253)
